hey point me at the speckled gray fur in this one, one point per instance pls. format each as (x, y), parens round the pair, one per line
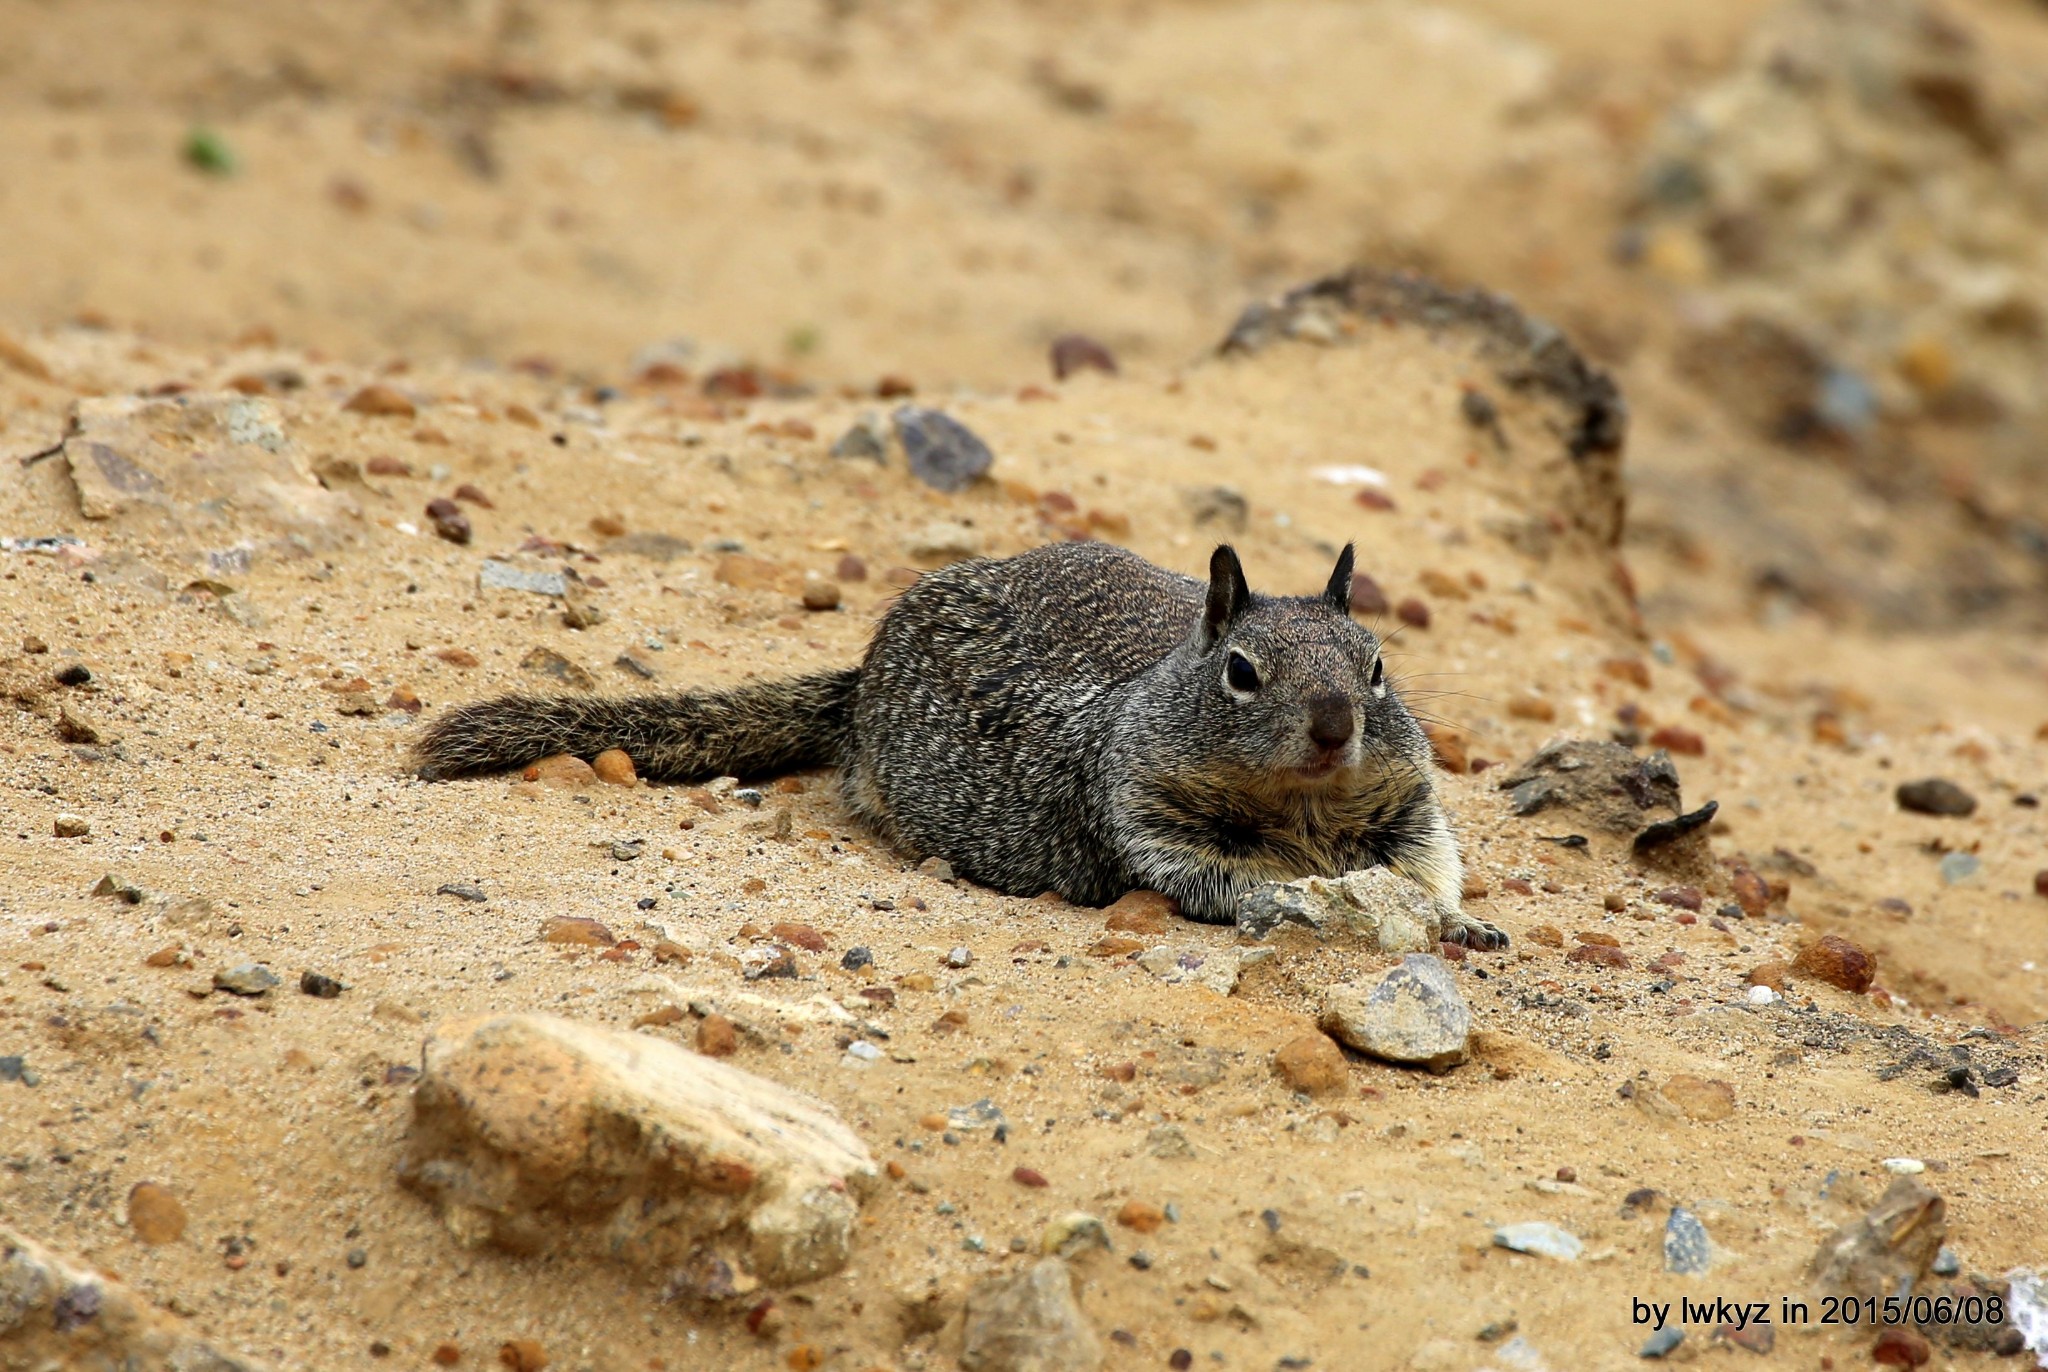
(1061, 721)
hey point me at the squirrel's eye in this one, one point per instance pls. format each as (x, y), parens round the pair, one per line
(1240, 673)
(1379, 674)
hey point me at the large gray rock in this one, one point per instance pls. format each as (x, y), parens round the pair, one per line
(56, 1312)
(1029, 1322)
(1414, 1015)
(534, 1132)
(1377, 906)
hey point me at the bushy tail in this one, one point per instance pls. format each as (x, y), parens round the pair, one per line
(776, 726)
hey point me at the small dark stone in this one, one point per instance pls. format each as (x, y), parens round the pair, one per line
(1271, 1219)
(319, 984)
(1074, 352)
(1661, 1342)
(856, 958)
(1180, 1360)
(357, 1257)
(79, 1305)
(1936, 796)
(1141, 1260)
(1367, 596)
(645, 903)
(449, 520)
(462, 890)
(77, 674)
(943, 453)
(1666, 830)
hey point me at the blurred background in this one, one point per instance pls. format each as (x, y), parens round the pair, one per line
(1808, 238)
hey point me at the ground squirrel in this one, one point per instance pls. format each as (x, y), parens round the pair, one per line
(1072, 719)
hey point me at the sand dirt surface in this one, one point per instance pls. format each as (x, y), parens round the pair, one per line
(606, 284)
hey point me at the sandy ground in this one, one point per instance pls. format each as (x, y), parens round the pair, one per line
(830, 193)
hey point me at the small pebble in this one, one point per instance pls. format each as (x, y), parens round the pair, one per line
(1142, 1216)
(76, 674)
(1073, 352)
(318, 984)
(577, 930)
(614, 768)
(72, 826)
(1029, 1176)
(155, 1216)
(717, 1037)
(1541, 1238)
(1686, 1249)
(943, 453)
(245, 979)
(856, 958)
(462, 890)
(357, 1257)
(449, 521)
(1662, 1342)
(959, 957)
(1957, 868)
(1936, 796)
(1838, 962)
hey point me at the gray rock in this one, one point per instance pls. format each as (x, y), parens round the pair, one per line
(1936, 796)
(1541, 1238)
(867, 439)
(246, 979)
(462, 890)
(1216, 968)
(1377, 906)
(1415, 1015)
(1957, 868)
(1168, 1141)
(1686, 1248)
(121, 889)
(1661, 1342)
(944, 453)
(1029, 1322)
(1604, 785)
(494, 575)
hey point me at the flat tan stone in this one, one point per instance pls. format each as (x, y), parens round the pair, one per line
(539, 1133)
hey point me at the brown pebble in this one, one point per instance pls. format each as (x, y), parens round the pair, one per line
(1700, 1098)
(154, 1214)
(716, 1037)
(1448, 745)
(379, 399)
(802, 935)
(1529, 705)
(1451, 952)
(1413, 613)
(1752, 892)
(1837, 962)
(614, 768)
(1684, 742)
(523, 1355)
(1142, 912)
(820, 595)
(1373, 498)
(449, 521)
(1680, 897)
(1549, 935)
(1517, 886)
(608, 526)
(1474, 888)
(577, 930)
(563, 770)
(404, 698)
(474, 496)
(805, 1357)
(388, 466)
(458, 657)
(1115, 946)
(851, 568)
(1599, 954)
(934, 1121)
(654, 1019)
(1120, 1071)
(172, 956)
(1597, 938)
(1367, 596)
(1771, 974)
(1144, 1216)
(916, 981)
(667, 952)
(446, 1355)
(1567, 1175)
(1074, 352)
(1633, 670)
(1029, 1176)
(2041, 882)
(1897, 1347)
(1312, 1063)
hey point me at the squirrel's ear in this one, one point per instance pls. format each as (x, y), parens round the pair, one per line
(1228, 593)
(1338, 593)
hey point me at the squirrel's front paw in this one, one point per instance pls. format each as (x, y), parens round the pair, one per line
(1473, 932)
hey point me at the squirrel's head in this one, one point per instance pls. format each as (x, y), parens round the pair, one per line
(1293, 691)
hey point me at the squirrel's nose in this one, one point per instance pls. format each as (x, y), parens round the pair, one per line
(1329, 721)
